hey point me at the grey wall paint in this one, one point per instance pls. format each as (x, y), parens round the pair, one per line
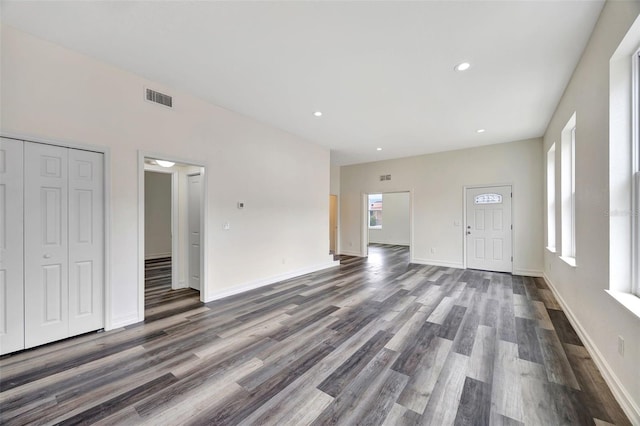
(157, 214)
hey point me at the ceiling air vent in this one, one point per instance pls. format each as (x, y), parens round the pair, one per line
(385, 177)
(159, 98)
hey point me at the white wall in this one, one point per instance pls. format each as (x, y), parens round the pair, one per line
(52, 93)
(437, 181)
(157, 214)
(334, 185)
(599, 317)
(395, 220)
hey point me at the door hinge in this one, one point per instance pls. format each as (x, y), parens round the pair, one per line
(512, 258)
(512, 227)
(512, 195)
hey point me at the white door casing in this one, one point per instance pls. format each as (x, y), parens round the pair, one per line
(11, 246)
(86, 241)
(194, 203)
(489, 229)
(46, 251)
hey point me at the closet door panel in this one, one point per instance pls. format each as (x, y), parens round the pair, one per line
(86, 241)
(11, 246)
(46, 257)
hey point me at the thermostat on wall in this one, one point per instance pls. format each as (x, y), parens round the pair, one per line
(241, 204)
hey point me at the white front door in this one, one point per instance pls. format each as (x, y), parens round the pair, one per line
(488, 228)
(11, 247)
(194, 195)
(46, 247)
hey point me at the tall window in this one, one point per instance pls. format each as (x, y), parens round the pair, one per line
(635, 183)
(568, 186)
(624, 171)
(375, 211)
(551, 198)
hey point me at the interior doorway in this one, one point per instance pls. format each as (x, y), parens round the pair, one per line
(172, 250)
(158, 215)
(387, 220)
(160, 264)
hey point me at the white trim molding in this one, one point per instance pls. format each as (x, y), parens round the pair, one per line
(619, 391)
(628, 300)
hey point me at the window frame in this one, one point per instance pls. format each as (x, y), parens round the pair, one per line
(551, 198)
(573, 192)
(568, 211)
(635, 171)
(369, 210)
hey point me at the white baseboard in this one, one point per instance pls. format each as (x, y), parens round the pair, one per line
(122, 322)
(528, 272)
(435, 262)
(620, 393)
(270, 280)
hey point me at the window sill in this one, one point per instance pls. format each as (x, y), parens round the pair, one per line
(571, 261)
(628, 300)
(375, 227)
(551, 249)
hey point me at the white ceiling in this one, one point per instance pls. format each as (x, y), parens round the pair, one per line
(381, 72)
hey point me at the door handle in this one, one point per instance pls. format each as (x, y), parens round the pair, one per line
(47, 256)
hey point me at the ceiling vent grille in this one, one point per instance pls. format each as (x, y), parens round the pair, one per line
(159, 98)
(385, 177)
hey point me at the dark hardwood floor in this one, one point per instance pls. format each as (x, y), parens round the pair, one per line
(159, 300)
(374, 341)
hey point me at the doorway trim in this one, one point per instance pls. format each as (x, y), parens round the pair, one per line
(203, 226)
(464, 220)
(364, 220)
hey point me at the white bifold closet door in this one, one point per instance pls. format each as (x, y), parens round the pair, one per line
(11, 247)
(64, 242)
(63, 234)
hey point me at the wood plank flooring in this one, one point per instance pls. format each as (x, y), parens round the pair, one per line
(160, 301)
(373, 341)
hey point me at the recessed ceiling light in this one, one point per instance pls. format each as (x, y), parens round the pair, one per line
(318, 114)
(480, 130)
(462, 66)
(164, 163)
(378, 149)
